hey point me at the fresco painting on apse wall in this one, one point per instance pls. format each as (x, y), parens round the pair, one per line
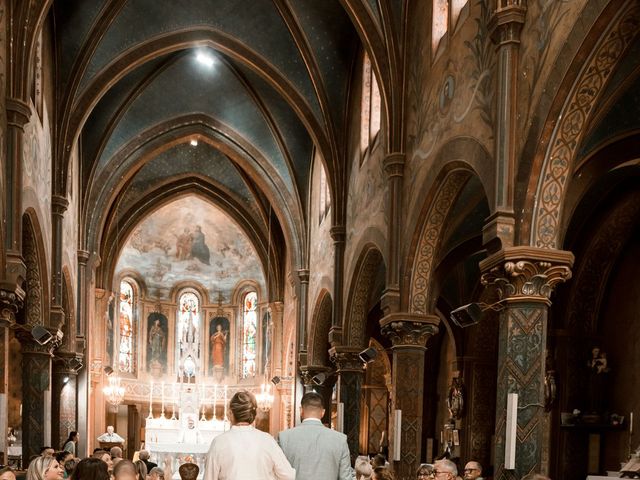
(190, 240)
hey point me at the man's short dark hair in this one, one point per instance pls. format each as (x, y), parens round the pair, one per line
(42, 449)
(312, 400)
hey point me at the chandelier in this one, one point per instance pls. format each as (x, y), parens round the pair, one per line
(265, 398)
(114, 391)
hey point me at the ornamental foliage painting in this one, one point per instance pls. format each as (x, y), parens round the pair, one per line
(126, 338)
(249, 334)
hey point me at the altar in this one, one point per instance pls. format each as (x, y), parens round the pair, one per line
(184, 437)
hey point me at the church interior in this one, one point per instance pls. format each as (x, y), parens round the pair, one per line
(427, 211)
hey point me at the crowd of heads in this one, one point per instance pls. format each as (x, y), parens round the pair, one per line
(101, 465)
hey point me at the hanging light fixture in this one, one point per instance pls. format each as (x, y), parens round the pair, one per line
(265, 397)
(114, 391)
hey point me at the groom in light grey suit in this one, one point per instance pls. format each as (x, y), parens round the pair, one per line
(314, 450)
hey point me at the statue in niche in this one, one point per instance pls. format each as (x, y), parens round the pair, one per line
(157, 343)
(598, 370)
(219, 346)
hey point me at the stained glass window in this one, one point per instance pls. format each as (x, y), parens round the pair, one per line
(249, 334)
(188, 333)
(440, 21)
(127, 328)
(370, 119)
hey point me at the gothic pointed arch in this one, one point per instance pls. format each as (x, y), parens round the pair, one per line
(569, 121)
(36, 305)
(318, 354)
(368, 268)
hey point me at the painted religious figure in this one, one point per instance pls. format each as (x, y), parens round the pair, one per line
(183, 245)
(110, 317)
(199, 248)
(157, 343)
(598, 370)
(266, 342)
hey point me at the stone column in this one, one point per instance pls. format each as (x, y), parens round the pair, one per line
(350, 373)
(59, 205)
(338, 233)
(524, 278)
(63, 398)
(505, 27)
(11, 292)
(394, 168)
(4, 384)
(303, 276)
(82, 380)
(409, 334)
(36, 381)
(325, 388)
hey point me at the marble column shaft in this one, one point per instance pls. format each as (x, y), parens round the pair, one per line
(394, 168)
(36, 380)
(59, 205)
(338, 234)
(409, 334)
(524, 278)
(350, 375)
(63, 400)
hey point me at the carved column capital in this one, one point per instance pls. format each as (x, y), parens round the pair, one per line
(338, 233)
(393, 164)
(59, 204)
(303, 275)
(29, 346)
(409, 330)
(346, 359)
(18, 113)
(307, 372)
(11, 301)
(83, 257)
(526, 273)
(507, 21)
(68, 363)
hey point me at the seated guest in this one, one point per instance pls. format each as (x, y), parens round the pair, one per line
(105, 457)
(445, 470)
(156, 473)
(116, 455)
(363, 468)
(379, 461)
(90, 469)
(6, 473)
(45, 468)
(424, 471)
(535, 476)
(188, 471)
(141, 469)
(47, 451)
(244, 451)
(473, 471)
(63, 456)
(382, 473)
(70, 466)
(144, 456)
(125, 470)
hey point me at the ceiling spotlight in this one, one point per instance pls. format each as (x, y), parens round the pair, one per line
(194, 142)
(204, 59)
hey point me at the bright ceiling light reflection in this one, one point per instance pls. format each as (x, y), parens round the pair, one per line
(205, 59)
(194, 142)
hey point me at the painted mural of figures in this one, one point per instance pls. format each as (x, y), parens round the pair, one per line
(218, 346)
(199, 248)
(157, 341)
(183, 245)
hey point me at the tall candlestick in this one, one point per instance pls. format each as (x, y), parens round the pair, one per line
(225, 403)
(215, 399)
(174, 397)
(150, 400)
(162, 399)
(631, 424)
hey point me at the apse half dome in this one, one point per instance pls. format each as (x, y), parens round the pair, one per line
(190, 240)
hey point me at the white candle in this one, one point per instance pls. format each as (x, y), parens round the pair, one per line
(225, 402)
(162, 397)
(215, 399)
